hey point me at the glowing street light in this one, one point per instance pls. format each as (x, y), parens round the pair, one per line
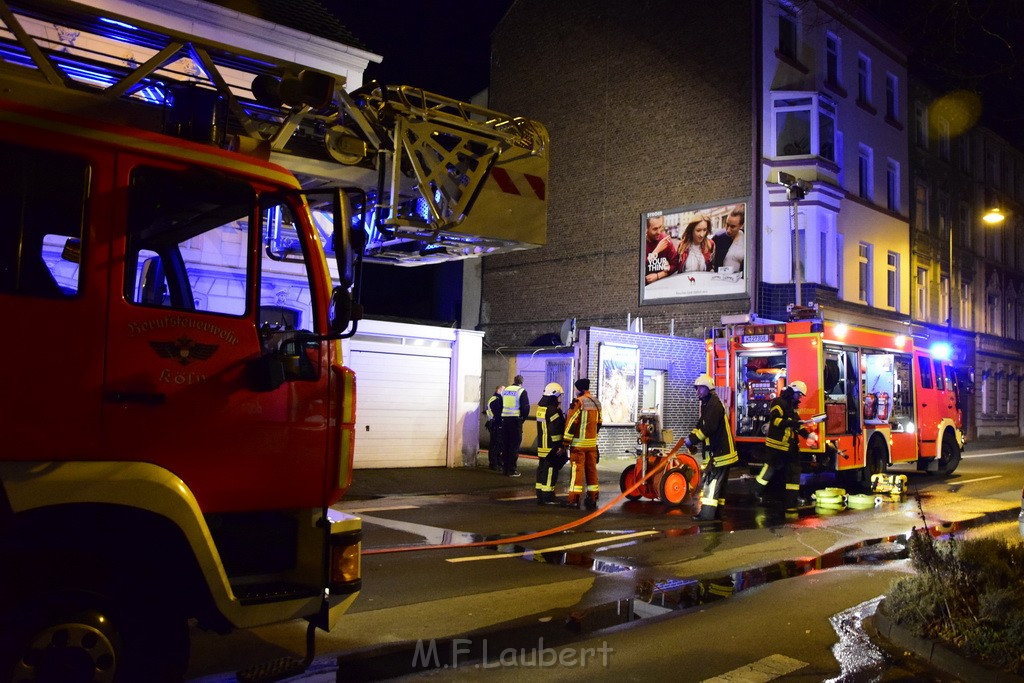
(994, 216)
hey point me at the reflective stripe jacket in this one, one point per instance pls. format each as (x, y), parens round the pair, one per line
(783, 425)
(515, 403)
(714, 432)
(583, 422)
(550, 425)
(494, 407)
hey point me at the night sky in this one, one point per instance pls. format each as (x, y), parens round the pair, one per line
(442, 46)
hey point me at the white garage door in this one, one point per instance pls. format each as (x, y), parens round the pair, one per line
(401, 409)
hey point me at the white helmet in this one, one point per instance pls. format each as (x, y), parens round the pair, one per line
(553, 389)
(798, 386)
(704, 381)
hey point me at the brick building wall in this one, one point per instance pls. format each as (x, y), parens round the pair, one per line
(682, 359)
(649, 105)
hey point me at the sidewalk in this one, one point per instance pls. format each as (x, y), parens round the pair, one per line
(371, 484)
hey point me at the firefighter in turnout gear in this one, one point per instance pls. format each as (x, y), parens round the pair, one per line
(550, 451)
(580, 437)
(713, 432)
(515, 408)
(782, 448)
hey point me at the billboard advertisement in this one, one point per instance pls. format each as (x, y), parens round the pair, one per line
(693, 253)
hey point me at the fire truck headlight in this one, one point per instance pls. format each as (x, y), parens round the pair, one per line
(911, 428)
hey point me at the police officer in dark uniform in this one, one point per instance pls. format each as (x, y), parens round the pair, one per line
(494, 459)
(515, 408)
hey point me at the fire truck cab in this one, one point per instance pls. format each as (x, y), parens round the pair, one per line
(875, 398)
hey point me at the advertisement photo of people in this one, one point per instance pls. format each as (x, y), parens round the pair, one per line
(693, 253)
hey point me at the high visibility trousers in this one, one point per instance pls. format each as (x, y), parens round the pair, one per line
(713, 493)
(776, 460)
(584, 469)
(547, 473)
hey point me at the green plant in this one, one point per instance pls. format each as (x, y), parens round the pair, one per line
(966, 593)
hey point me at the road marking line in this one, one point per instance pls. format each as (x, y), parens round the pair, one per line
(971, 481)
(379, 509)
(559, 548)
(762, 670)
(528, 497)
(989, 455)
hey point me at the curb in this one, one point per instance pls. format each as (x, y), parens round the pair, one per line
(939, 656)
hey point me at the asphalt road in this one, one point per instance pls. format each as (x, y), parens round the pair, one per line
(641, 577)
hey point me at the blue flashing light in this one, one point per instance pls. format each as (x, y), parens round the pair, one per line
(114, 22)
(422, 209)
(941, 350)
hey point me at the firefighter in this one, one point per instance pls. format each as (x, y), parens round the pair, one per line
(494, 457)
(550, 452)
(515, 408)
(782, 448)
(580, 437)
(713, 432)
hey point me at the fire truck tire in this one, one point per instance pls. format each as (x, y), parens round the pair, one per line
(626, 481)
(674, 487)
(949, 456)
(85, 634)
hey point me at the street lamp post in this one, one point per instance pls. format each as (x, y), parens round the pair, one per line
(796, 189)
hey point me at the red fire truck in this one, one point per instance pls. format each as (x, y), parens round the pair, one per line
(177, 420)
(875, 397)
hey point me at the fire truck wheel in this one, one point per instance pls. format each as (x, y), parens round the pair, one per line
(875, 463)
(674, 489)
(949, 456)
(626, 481)
(83, 635)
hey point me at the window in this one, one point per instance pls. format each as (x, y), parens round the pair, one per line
(653, 398)
(865, 181)
(943, 132)
(42, 211)
(805, 124)
(966, 307)
(823, 256)
(892, 185)
(839, 265)
(963, 233)
(945, 312)
(945, 213)
(832, 64)
(992, 311)
(965, 153)
(892, 280)
(864, 272)
(925, 365)
(921, 284)
(920, 125)
(892, 97)
(863, 79)
(940, 382)
(788, 44)
(185, 228)
(920, 206)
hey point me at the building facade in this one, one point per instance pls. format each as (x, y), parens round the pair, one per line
(682, 110)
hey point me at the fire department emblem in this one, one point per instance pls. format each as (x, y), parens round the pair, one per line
(183, 350)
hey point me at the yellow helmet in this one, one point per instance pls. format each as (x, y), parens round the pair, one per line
(553, 389)
(798, 386)
(704, 381)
